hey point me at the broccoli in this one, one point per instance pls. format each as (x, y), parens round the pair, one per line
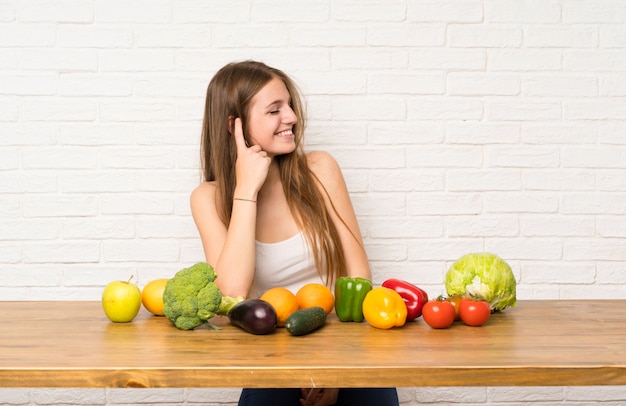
(191, 297)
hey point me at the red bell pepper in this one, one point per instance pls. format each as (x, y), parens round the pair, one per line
(414, 297)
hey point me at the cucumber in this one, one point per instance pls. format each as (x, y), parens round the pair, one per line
(305, 321)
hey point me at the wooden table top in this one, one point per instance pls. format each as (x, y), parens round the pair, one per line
(536, 343)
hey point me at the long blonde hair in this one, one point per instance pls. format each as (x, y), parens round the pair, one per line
(229, 94)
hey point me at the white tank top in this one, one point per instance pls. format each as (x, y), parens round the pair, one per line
(288, 264)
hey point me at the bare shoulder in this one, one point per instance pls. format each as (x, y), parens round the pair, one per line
(323, 164)
(203, 194)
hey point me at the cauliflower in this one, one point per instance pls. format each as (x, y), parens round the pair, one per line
(191, 297)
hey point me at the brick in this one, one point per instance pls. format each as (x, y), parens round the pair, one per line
(69, 396)
(481, 226)
(612, 85)
(560, 36)
(449, 108)
(387, 252)
(372, 108)
(566, 132)
(9, 159)
(524, 110)
(611, 226)
(446, 157)
(408, 35)
(86, 134)
(609, 156)
(139, 11)
(444, 204)
(589, 11)
(29, 229)
(66, 11)
(136, 204)
(478, 35)
(152, 250)
(136, 60)
(600, 203)
(340, 82)
(513, 11)
(407, 180)
(141, 395)
(558, 179)
(546, 248)
(368, 58)
(27, 35)
(610, 180)
(176, 36)
(133, 158)
(98, 228)
(61, 252)
(59, 206)
(560, 86)
(594, 110)
(137, 110)
(396, 83)
(560, 273)
(94, 36)
(397, 228)
(594, 60)
(612, 36)
(59, 158)
(521, 202)
(247, 36)
(482, 132)
(536, 394)
(309, 11)
(408, 132)
(41, 276)
(172, 227)
(460, 11)
(522, 157)
(465, 59)
(48, 109)
(524, 59)
(481, 84)
(370, 10)
(26, 85)
(59, 59)
(310, 35)
(478, 180)
(557, 226)
(94, 84)
(445, 249)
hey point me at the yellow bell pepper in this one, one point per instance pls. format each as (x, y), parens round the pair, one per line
(384, 308)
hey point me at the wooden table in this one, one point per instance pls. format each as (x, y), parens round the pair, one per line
(536, 343)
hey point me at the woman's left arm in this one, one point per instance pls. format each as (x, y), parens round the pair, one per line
(325, 167)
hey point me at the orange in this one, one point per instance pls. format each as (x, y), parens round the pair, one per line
(152, 296)
(283, 301)
(316, 294)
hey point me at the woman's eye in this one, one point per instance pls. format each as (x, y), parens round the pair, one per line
(274, 111)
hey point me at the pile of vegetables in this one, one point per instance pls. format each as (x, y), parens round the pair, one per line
(477, 285)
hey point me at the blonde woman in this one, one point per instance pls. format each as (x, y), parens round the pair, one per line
(270, 214)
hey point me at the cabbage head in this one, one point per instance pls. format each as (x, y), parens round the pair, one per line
(485, 276)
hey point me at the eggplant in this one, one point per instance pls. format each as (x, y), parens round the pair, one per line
(255, 316)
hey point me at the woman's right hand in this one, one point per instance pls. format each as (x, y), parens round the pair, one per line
(251, 166)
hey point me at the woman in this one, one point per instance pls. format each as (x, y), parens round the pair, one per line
(269, 214)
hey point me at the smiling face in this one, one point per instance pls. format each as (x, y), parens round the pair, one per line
(271, 119)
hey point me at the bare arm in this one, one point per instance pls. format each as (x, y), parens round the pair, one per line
(231, 251)
(328, 172)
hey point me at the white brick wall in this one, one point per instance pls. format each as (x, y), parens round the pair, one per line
(461, 125)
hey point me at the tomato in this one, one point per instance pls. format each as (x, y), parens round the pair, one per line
(438, 313)
(456, 302)
(474, 312)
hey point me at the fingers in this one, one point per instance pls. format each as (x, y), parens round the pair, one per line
(240, 141)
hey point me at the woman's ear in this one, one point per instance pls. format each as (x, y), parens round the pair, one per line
(231, 124)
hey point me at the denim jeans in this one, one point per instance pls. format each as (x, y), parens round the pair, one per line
(346, 397)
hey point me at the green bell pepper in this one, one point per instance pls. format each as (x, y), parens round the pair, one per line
(349, 296)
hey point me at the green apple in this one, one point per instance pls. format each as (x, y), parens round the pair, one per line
(121, 301)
